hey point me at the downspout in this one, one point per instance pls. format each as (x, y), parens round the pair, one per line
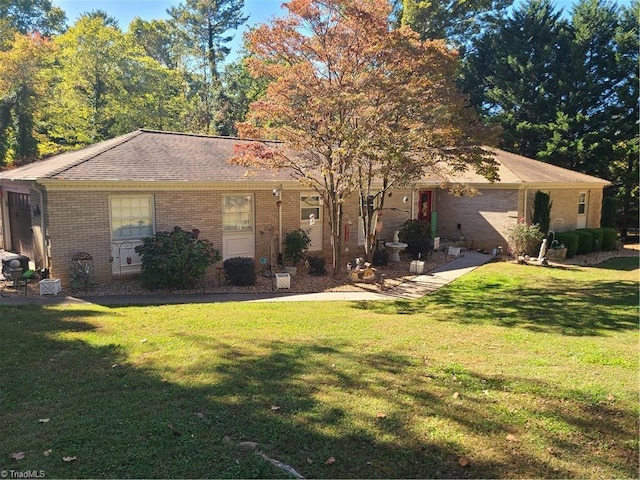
(526, 197)
(45, 256)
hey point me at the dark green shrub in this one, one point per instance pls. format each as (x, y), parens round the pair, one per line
(609, 211)
(598, 235)
(570, 240)
(317, 265)
(417, 235)
(175, 259)
(380, 258)
(240, 271)
(542, 211)
(420, 248)
(585, 242)
(296, 243)
(609, 239)
(414, 230)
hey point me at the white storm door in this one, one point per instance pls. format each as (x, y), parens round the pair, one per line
(582, 211)
(238, 228)
(311, 219)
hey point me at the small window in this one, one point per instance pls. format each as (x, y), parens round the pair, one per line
(237, 213)
(582, 203)
(309, 205)
(131, 217)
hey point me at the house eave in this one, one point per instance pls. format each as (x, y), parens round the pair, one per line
(119, 185)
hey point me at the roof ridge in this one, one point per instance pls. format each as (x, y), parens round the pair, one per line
(204, 135)
(96, 150)
(495, 151)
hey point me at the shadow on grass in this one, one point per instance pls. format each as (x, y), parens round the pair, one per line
(568, 306)
(126, 417)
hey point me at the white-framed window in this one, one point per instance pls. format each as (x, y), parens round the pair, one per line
(310, 205)
(132, 219)
(582, 203)
(237, 213)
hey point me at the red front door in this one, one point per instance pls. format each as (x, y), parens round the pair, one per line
(424, 206)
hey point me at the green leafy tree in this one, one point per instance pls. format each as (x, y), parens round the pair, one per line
(515, 74)
(204, 26)
(239, 90)
(105, 85)
(159, 38)
(453, 20)
(22, 89)
(32, 16)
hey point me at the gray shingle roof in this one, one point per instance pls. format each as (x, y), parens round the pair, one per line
(148, 156)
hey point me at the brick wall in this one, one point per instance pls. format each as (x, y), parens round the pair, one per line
(483, 219)
(564, 210)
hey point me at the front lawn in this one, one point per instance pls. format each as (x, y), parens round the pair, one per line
(510, 372)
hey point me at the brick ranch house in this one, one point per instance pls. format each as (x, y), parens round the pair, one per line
(104, 198)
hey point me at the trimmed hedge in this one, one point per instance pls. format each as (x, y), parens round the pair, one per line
(570, 240)
(609, 239)
(598, 234)
(240, 271)
(585, 242)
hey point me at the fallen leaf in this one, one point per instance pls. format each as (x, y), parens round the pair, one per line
(44, 420)
(512, 438)
(175, 432)
(144, 340)
(69, 459)
(456, 395)
(199, 414)
(275, 408)
(330, 461)
(610, 398)
(248, 445)
(309, 461)
(46, 453)
(464, 461)
(18, 455)
(381, 415)
(551, 450)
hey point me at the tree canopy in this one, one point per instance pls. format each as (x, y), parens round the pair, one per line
(359, 106)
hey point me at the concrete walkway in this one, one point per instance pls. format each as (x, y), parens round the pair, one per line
(415, 288)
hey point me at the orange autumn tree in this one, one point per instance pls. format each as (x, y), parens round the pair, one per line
(359, 107)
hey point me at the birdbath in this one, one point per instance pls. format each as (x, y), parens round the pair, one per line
(394, 250)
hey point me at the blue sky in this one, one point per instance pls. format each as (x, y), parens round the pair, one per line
(124, 11)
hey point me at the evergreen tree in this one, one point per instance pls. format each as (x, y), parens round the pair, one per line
(205, 27)
(515, 74)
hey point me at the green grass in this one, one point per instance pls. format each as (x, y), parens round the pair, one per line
(526, 371)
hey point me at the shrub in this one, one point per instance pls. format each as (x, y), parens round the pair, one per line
(175, 259)
(240, 271)
(524, 239)
(609, 239)
(542, 211)
(585, 242)
(609, 211)
(570, 241)
(317, 265)
(414, 230)
(417, 235)
(296, 243)
(598, 235)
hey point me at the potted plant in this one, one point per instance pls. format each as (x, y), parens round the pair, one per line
(296, 243)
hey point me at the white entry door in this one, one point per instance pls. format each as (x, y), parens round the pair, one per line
(238, 229)
(311, 218)
(582, 210)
